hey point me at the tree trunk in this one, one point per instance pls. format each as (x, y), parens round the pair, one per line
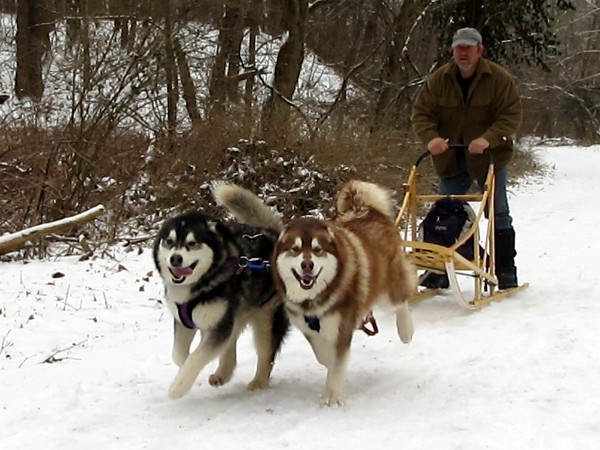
(287, 69)
(85, 43)
(33, 41)
(395, 71)
(187, 84)
(169, 63)
(223, 85)
(15, 241)
(249, 89)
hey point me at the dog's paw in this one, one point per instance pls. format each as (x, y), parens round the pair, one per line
(406, 335)
(258, 384)
(180, 386)
(216, 380)
(331, 398)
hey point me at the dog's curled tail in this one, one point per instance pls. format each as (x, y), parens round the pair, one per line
(356, 195)
(245, 206)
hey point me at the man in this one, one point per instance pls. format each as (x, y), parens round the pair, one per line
(472, 101)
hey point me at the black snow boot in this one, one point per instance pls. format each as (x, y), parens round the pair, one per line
(506, 270)
(432, 280)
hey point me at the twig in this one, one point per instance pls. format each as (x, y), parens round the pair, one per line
(52, 358)
(67, 298)
(5, 343)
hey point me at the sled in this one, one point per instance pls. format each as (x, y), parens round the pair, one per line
(439, 259)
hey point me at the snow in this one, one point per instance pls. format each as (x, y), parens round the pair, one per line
(518, 374)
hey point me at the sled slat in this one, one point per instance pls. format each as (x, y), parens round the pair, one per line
(439, 259)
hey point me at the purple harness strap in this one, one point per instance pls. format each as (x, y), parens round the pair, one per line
(185, 310)
(185, 314)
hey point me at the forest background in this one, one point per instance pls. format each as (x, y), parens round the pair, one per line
(139, 105)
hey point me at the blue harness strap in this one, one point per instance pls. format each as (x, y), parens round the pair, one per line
(243, 262)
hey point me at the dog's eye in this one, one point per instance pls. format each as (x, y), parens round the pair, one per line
(192, 244)
(318, 251)
(295, 250)
(169, 242)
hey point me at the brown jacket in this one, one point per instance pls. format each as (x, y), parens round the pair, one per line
(492, 111)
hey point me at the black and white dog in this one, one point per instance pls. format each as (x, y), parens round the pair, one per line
(217, 281)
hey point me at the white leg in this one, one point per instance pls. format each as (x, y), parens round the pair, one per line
(262, 327)
(335, 381)
(227, 364)
(338, 351)
(322, 349)
(404, 323)
(182, 340)
(193, 365)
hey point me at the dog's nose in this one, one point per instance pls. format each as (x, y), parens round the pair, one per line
(307, 265)
(176, 260)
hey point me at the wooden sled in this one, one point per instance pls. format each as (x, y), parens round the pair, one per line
(440, 259)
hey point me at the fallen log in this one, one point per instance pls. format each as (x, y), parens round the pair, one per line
(15, 241)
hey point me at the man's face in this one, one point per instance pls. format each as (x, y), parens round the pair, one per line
(466, 57)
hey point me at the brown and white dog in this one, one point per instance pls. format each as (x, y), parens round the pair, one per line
(333, 273)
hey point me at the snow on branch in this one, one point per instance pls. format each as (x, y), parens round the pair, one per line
(14, 241)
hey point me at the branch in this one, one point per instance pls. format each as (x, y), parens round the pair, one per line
(15, 241)
(53, 358)
(5, 343)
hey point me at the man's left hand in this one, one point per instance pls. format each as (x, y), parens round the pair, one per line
(478, 146)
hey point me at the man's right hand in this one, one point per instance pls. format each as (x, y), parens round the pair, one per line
(437, 146)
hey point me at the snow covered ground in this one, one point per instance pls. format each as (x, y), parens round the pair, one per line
(85, 355)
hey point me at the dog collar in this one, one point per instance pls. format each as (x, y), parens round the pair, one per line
(243, 262)
(313, 323)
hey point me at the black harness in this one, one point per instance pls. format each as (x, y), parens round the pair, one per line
(185, 310)
(314, 324)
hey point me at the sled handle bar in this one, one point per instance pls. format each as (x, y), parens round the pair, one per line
(426, 153)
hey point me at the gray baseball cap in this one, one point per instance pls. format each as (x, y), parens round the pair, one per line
(466, 36)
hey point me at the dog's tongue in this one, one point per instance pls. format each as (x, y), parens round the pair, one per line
(182, 271)
(307, 281)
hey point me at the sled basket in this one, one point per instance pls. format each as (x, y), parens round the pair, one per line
(440, 259)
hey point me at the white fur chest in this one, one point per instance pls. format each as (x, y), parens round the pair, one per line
(204, 316)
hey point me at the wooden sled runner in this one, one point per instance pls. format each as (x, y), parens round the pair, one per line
(439, 259)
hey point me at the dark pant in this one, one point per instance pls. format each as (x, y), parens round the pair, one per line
(504, 232)
(461, 183)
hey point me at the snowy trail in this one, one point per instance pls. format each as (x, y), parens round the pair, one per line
(519, 374)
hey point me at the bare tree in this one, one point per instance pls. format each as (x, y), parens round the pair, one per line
(223, 85)
(566, 101)
(287, 69)
(34, 23)
(169, 64)
(396, 66)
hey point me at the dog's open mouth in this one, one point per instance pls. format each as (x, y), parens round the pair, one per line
(307, 280)
(179, 274)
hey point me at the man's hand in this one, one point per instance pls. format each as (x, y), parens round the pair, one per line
(478, 146)
(437, 146)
